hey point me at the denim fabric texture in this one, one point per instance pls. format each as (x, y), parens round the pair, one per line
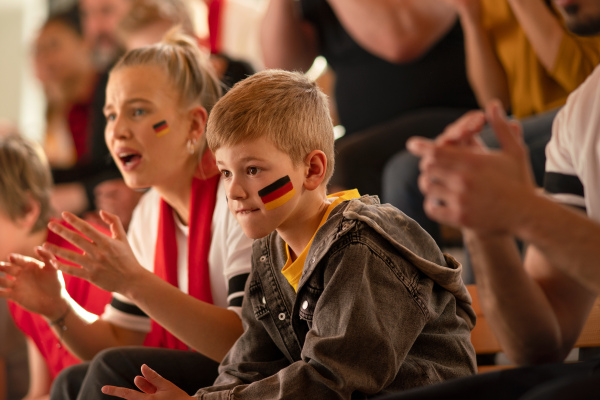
(379, 308)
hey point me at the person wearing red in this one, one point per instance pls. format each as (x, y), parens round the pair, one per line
(24, 213)
(36, 327)
(178, 275)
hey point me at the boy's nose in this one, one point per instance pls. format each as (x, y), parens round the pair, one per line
(236, 191)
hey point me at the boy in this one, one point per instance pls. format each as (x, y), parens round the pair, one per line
(347, 298)
(25, 185)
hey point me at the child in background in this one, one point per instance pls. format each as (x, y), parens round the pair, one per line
(347, 298)
(25, 184)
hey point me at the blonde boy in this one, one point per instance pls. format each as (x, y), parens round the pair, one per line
(347, 298)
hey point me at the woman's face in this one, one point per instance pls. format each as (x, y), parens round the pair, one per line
(59, 53)
(147, 130)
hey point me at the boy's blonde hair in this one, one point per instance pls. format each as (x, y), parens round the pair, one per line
(186, 66)
(24, 175)
(285, 107)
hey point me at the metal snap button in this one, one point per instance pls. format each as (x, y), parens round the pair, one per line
(281, 316)
(263, 258)
(264, 301)
(305, 305)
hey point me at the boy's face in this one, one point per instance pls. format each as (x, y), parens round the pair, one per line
(258, 166)
(12, 235)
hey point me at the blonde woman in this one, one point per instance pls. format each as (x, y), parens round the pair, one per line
(185, 260)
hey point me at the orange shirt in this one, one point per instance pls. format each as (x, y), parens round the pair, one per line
(532, 88)
(292, 270)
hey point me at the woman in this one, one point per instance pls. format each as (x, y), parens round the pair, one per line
(158, 99)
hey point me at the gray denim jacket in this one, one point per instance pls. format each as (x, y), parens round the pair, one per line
(379, 308)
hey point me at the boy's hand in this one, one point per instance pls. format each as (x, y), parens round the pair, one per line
(107, 262)
(35, 285)
(152, 385)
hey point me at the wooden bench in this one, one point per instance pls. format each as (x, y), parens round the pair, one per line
(485, 342)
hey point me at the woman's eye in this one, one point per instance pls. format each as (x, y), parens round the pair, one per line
(111, 117)
(252, 170)
(138, 112)
(225, 173)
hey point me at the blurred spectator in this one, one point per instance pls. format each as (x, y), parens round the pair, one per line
(150, 20)
(25, 184)
(399, 70)
(521, 54)
(234, 29)
(100, 19)
(95, 174)
(63, 66)
(14, 375)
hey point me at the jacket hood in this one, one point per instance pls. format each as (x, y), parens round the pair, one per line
(411, 241)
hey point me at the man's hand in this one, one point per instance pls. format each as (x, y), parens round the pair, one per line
(468, 186)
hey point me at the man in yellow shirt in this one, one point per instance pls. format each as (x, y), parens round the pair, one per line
(521, 53)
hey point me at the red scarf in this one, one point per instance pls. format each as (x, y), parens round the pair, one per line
(202, 206)
(215, 11)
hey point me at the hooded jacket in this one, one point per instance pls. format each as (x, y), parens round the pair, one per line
(379, 308)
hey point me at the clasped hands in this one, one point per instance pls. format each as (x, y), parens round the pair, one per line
(469, 186)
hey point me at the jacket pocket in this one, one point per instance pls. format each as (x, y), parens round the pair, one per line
(308, 302)
(258, 300)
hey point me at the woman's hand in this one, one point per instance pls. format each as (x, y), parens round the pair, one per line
(107, 262)
(152, 385)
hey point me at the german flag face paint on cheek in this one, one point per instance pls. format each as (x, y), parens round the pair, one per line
(277, 193)
(161, 129)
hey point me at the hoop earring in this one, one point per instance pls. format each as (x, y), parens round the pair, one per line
(191, 146)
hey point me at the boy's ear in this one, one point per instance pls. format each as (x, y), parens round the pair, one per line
(316, 166)
(198, 118)
(32, 213)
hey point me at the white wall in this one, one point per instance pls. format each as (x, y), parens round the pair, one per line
(21, 100)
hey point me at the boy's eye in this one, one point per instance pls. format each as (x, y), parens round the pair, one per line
(225, 173)
(252, 170)
(138, 112)
(110, 117)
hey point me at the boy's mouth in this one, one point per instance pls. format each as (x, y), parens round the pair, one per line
(246, 211)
